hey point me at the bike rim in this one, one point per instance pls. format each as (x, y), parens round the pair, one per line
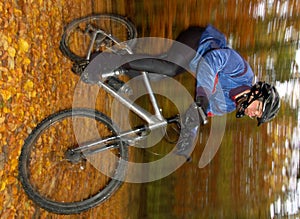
(59, 185)
(75, 41)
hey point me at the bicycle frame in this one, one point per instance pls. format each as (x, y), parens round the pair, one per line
(154, 121)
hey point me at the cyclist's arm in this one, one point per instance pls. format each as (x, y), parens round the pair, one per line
(208, 71)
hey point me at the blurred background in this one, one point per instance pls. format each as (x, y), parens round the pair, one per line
(255, 173)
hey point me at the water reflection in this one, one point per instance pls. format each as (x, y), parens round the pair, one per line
(289, 202)
(284, 173)
(255, 173)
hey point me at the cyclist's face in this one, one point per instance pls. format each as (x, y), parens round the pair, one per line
(254, 110)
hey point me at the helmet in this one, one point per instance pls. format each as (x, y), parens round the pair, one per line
(264, 92)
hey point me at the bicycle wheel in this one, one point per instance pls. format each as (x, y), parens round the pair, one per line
(76, 37)
(65, 187)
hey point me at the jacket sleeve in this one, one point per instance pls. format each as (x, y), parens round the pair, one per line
(208, 71)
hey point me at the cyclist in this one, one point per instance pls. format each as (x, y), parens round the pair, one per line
(222, 75)
(224, 79)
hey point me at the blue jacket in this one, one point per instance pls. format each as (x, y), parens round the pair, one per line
(221, 72)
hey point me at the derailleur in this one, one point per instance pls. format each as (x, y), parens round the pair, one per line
(78, 67)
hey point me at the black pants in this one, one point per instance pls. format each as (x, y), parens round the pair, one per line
(177, 54)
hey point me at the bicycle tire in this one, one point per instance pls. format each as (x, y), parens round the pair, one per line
(28, 173)
(113, 18)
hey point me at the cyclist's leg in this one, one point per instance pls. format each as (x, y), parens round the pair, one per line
(177, 58)
(152, 65)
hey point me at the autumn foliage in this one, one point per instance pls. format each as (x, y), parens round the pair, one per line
(35, 81)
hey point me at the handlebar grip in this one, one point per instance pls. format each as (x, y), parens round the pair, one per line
(202, 115)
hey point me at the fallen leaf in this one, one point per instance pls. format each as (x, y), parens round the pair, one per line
(23, 45)
(2, 119)
(6, 95)
(11, 52)
(28, 85)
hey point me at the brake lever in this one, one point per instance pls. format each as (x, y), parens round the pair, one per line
(202, 115)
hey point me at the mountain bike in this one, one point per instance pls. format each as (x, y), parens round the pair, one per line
(66, 170)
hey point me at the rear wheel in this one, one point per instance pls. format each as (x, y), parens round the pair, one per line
(76, 38)
(59, 185)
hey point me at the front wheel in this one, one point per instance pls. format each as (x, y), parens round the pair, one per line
(55, 183)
